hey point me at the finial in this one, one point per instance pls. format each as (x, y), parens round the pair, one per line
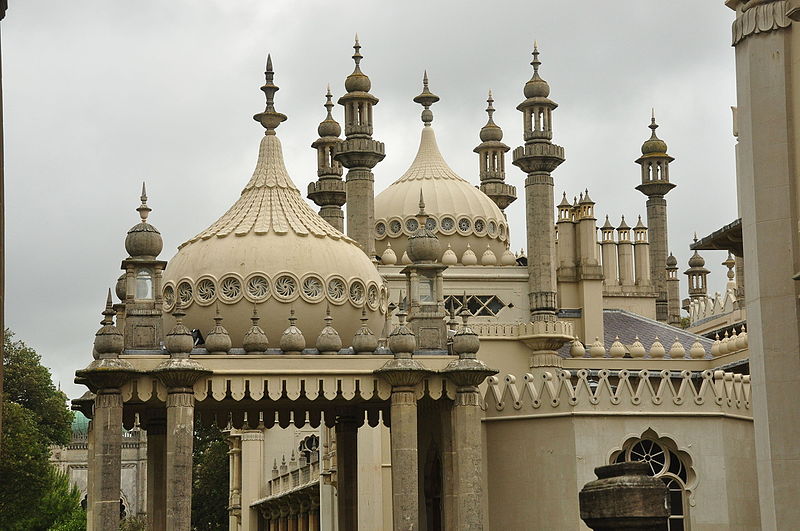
(421, 204)
(255, 317)
(490, 107)
(328, 319)
(695, 237)
(357, 55)
(143, 209)
(270, 118)
(329, 102)
(108, 312)
(426, 98)
(653, 125)
(536, 62)
(292, 318)
(217, 316)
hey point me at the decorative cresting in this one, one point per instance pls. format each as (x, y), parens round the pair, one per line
(758, 16)
(328, 191)
(622, 392)
(538, 158)
(459, 214)
(492, 161)
(272, 249)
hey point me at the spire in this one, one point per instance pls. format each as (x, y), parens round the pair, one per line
(270, 119)
(490, 107)
(108, 312)
(536, 87)
(357, 54)
(426, 98)
(536, 62)
(143, 209)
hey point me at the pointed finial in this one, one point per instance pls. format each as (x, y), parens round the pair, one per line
(108, 313)
(292, 318)
(329, 102)
(695, 237)
(536, 62)
(217, 316)
(357, 55)
(270, 118)
(653, 125)
(421, 203)
(328, 319)
(490, 107)
(143, 209)
(426, 98)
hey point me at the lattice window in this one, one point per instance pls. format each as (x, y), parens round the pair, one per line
(478, 305)
(669, 468)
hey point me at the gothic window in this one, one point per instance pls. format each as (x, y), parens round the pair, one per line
(478, 305)
(666, 465)
(144, 284)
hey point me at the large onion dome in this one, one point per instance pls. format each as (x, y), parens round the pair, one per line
(272, 250)
(459, 214)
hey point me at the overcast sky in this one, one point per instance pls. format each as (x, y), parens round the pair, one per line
(102, 95)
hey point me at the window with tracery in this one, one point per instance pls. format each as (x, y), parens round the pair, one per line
(478, 305)
(666, 465)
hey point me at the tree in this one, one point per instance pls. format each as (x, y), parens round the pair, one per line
(30, 385)
(210, 467)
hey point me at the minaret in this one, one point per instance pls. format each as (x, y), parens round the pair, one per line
(566, 240)
(641, 255)
(609, 246)
(655, 185)
(359, 153)
(492, 162)
(625, 254)
(538, 158)
(674, 291)
(328, 191)
(142, 302)
(698, 289)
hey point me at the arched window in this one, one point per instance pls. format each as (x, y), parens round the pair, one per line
(665, 464)
(144, 284)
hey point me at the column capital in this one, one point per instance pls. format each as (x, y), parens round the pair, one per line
(180, 372)
(762, 16)
(403, 372)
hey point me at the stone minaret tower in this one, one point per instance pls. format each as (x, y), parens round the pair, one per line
(673, 290)
(655, 185)
(140, 287)
(697, 273)
(359, 153)
(538, 158)
(328, 191)
(492, 162)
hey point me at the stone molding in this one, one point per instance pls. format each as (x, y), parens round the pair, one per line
(760, 18)
(108, 398)
(181, 398)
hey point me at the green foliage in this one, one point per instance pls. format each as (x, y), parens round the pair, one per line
(24, 467)
(209, 479)
(30, 385)
(133, 523)
(60, 507)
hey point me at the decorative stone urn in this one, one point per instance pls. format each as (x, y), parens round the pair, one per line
(625, 496)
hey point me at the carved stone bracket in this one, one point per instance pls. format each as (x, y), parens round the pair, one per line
(762, 18)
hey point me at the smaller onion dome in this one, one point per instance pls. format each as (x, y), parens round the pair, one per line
(292, 340)
(108, 341)
(143, 239)
(617, 349)
(388, 257)
(577, 350)
(405, 260)
(329, 126)
(488, 258)
(469, 258)
(491, 132)
(536, 87)
(654, 144)
(328, 341)
(218, 341)
(508, 258)
(597, 350)
(179, 340)
(402, 341)
(672, 261)
(449, 257)
(697, 351)
(364, 341)
(696, 260)
(255, 340)
(657, 349)
(357, 81)
(677, 350)
(637, 349)
(423, 245)
(465, 341)
(120, 287)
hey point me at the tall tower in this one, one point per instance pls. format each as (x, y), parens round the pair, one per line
(492, 162)
(697, 273)
(655, 185)
(538, 158)
(359, 153)
(141, 286)
(328, 191)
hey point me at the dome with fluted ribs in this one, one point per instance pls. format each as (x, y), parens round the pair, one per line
(459, 213)
(271, 249)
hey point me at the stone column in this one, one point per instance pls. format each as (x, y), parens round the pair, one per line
(156, 474)
(180, 442)
(767, 77)
(178, 374)
(90, 459)
(313, 519)
(404, 373)
(252, 472)
(107, 458)
(347, 471)
(467, 373)
(448, 471)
